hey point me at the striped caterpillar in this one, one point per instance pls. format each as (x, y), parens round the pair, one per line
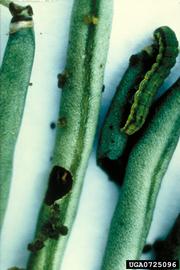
(167, 45)
(113, 144)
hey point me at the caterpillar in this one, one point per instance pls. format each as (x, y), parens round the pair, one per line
(113, 143)
(167, 46)
(14, 80)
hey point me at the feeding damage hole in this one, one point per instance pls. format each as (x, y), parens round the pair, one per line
(60, 183)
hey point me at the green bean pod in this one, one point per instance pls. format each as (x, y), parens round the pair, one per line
(169, 249)
(82, 83)
(14, 80)
(146, 167)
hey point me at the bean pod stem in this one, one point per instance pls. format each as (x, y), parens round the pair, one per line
(82, 83)
(14, 80)
(146, 167)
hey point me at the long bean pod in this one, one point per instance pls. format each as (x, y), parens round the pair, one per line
(14, 80)
(146, 167)
(82, 83)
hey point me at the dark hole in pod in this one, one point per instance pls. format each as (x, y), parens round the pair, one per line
(60, 183)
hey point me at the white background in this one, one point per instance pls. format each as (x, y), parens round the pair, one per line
(133, 24)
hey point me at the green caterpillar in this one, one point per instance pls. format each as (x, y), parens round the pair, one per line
(167, 44)
(82, 83)
(14, 80)
(146, 167)
(114, 145)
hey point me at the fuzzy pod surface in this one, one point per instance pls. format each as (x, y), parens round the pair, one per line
(15, 74)
(82, 83)
(146, 167)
